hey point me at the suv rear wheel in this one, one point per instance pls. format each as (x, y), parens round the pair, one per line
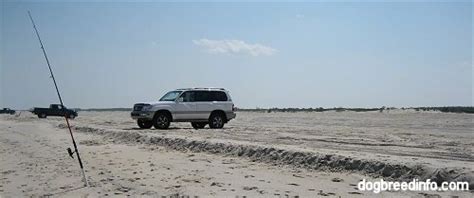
(216, 121)
(198, 125)
(144, 124)
(161, 121)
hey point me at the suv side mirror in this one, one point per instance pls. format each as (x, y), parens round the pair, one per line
(180, 99)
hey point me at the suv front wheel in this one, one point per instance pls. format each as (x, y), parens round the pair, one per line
(216, 121)
(161, 121)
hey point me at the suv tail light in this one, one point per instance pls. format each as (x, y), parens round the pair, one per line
(233, 108)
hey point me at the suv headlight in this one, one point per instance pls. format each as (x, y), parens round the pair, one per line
(146, 108)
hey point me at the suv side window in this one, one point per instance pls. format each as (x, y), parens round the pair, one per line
(202, 96)
(218, 96)
(189, 96)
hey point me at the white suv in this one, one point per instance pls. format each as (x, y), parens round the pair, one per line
(200, 106)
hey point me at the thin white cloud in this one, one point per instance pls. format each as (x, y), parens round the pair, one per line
(234, 47)
(299, 16)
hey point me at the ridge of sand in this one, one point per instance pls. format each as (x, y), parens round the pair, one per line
(283, 156)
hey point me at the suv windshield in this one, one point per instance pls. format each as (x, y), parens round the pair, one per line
(170, 96)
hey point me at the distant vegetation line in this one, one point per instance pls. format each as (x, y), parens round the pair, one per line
(451, 109)
(105, 109)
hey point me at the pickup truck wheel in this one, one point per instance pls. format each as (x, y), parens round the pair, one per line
(161, 121)
(42, 115)
(198, 125)
(216, 121)
(144, 124)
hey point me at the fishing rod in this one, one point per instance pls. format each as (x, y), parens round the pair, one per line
(62, 104)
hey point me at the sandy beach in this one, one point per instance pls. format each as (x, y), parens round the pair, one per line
(256, 155)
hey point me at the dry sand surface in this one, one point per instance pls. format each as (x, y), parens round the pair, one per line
(256, 155)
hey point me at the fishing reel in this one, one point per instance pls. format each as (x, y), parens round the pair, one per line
(71, 153)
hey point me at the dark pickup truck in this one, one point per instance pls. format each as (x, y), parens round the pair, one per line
(54, 110)
(7, 111)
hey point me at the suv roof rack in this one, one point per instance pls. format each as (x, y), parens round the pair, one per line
(202, 88)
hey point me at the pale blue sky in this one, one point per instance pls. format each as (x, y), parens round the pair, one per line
(266, 54)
